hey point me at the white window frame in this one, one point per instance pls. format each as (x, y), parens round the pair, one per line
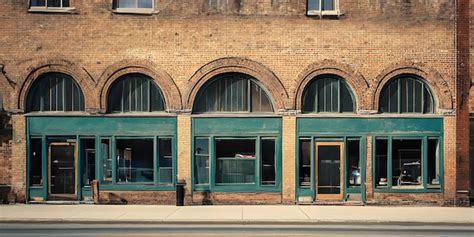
(321, 13)
(135, 10)
(45, 8)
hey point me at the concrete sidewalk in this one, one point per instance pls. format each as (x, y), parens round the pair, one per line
(235, 214)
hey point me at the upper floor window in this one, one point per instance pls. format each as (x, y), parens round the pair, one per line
(323, 7)
(328, 93)
(134, 6)
(233, 93)
(406, 94)
(55, 92)
(60, 6)
(49, 3)
(135, 93)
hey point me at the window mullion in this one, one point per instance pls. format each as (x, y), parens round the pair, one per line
(249, 96)
(156, 163)
(316, 94)
(113, 144)
(422, 98)
(424, 162)
(389, 163)
(258, 162)
(212, 163)
(339, 96)
(122, 97)
(63, 83)
(399, 96)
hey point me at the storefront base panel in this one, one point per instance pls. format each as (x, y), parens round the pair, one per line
(209, 198)
(137, 197)
(415, 199)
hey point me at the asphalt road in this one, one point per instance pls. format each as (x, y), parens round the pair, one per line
(229, 230)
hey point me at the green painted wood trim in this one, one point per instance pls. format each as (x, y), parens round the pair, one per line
(236, 126)
(156, 165)
(369, 126)
(363, 157)
(103, 126)
(44, 165)
(113, 144)
(27, 163)
(36, 192)
(98, 161)
(79, 168)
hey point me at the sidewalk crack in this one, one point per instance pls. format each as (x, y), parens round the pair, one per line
(309, 218)
(171, 213)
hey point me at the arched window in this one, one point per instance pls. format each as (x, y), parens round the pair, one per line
(135, 93)
(55, 92)
(328, 93)
(234, 92)
(406, 94)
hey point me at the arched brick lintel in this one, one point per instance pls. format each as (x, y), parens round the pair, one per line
(438, 86)
(80, 75)
(164, 81)
(354, 79)
(239, 65)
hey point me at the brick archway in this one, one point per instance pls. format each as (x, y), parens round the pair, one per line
(82, 78)
(164, 81)
(239, 65)
(438, 86)
(355, 80)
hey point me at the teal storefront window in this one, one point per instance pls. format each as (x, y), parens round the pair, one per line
(141, 157)
(409, 163)
(237, 154)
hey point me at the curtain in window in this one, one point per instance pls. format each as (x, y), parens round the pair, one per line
(133, 4)
(327, 93)
(55, 92)
(406, 94)
(233, 93)
(135, 93)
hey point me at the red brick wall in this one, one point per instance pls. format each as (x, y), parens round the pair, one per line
(371, 39)
(462, 95)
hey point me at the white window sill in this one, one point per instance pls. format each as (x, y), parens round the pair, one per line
(140, 11)
(324, 13)
(53, 9)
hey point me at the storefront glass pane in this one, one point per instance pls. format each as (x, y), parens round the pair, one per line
(165, 172)
(268, 161)
(36, 162)
(406, 163)
(381, 159)
(134, 160)
(305, 163)
(88, 161)
(433, 164)
(354, 167)
(201, 154)
(106, 157)
(235, 161)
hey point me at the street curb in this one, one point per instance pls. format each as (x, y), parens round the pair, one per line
(233, 222)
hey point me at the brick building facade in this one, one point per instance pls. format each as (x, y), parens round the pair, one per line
(389, 150)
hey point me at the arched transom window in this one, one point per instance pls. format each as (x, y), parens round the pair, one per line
(406, 94)
(55, 92)
(234, 92)
(328, 93)
(135, 93)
